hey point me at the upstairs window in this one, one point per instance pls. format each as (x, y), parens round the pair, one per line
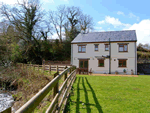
(81, 48)
(106, 47)
(101, 63)
(96, 47)
(123, 48)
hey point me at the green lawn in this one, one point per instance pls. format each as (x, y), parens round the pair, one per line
(110, 94)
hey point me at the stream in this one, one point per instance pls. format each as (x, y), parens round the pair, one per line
(6, 100)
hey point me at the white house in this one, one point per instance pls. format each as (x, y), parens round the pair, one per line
(91, 51)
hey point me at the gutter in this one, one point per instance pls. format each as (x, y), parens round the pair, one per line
(109, 57)
(135, 59)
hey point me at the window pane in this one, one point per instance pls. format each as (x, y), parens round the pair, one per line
(101, 63)
(85, 64)
(120, 64)
(125, 47)
(124, 63)
(80, 48)
(120, 48)
(83, 49)
(81, 64)
(106, 47)
(96, 47)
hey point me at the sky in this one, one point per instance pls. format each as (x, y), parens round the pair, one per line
(110, 15)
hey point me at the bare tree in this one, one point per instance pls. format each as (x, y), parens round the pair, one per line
(57, 18)
(71, 26)
(73, 15)
(86, 23)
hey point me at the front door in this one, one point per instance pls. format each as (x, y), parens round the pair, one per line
(83, 65)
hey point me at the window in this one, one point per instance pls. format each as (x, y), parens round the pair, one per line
(122, 63)
(123, 48)
(81, 49)
(83, 63)
(96, 47)
(101, 63)
(106, 47)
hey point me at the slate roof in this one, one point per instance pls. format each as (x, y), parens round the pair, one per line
(126, 35)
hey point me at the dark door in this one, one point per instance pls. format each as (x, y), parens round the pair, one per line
(83, 65)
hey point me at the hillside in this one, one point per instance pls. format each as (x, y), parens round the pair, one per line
(143, 54)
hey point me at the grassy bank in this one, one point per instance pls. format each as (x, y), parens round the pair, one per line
(25, 83)
(104, 94)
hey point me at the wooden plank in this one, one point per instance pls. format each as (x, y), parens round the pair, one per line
(64, 94)
(50, 108)
(65, 102)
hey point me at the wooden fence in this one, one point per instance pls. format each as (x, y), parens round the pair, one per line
(56, 62)
(60, 94)
(43, 67)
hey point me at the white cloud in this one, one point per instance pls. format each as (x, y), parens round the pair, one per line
(48, 1)
(101, 22)
(120, 13)
(10, 2)
(131, 15)
(142, 31)
(114, 21)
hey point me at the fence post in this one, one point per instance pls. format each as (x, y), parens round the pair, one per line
(38, 67)
(26, 66)
(56, 68)
(43, 68)
(49, 68)
(65, 74)
(23, 65)
(70, 70)
(34, 67)
(56, 86)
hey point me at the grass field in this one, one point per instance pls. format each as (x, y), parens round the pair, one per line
(110, 94)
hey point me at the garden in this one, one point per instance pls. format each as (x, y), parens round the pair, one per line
(103, 94)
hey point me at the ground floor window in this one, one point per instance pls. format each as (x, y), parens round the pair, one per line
(101, 63)
(122, 63)
(83, 63)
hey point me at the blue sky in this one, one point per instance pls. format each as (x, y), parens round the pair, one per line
(110, 15)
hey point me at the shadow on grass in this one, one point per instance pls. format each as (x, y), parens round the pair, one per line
(99, 108)
(78, 96)
(87, 103)
(86, 97)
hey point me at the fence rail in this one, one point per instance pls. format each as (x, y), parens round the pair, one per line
(57, 62)
(59, 94)
(43, 67)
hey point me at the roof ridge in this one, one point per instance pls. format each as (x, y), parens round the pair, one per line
(109, 31)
